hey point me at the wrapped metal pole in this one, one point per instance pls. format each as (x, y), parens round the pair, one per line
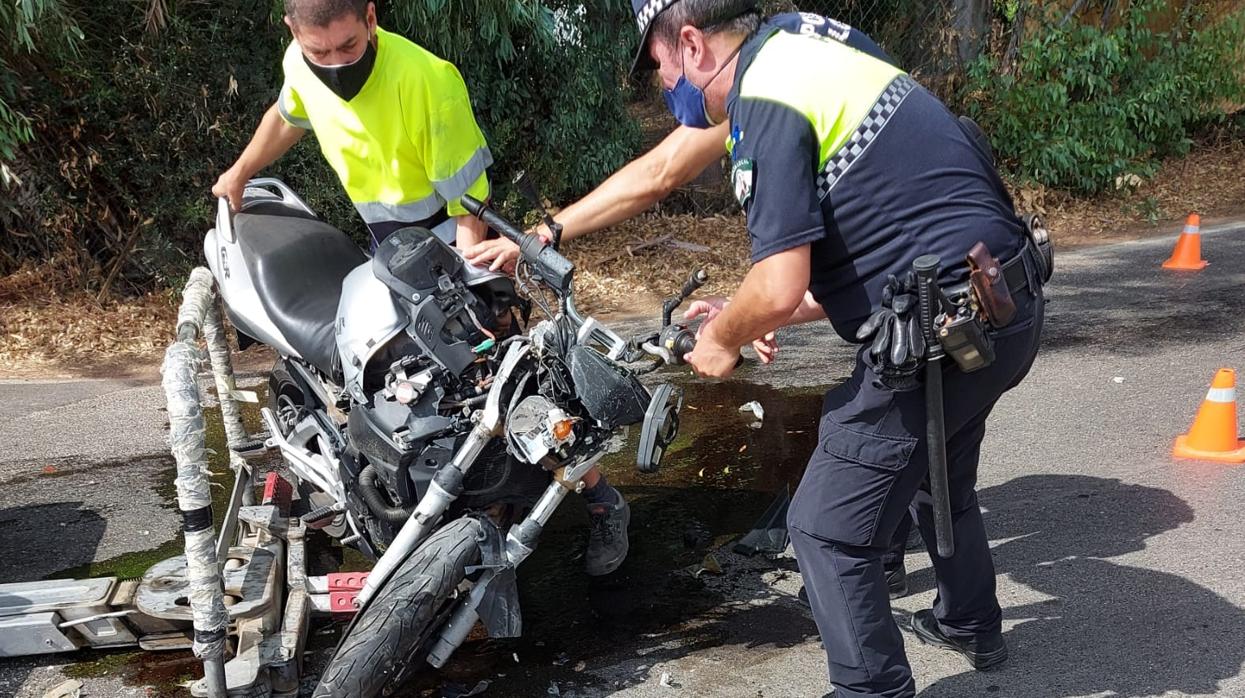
(227, 394)
(181, 366)
(222, 373)
(928, 293)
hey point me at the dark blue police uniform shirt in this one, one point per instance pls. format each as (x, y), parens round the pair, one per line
(921, 186)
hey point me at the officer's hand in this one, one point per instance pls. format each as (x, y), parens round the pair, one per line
(230, 185)
(712, 360)
(499, 254)
(709, 307)
(766, 347)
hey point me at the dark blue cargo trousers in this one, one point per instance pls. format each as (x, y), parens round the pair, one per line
(870, 466)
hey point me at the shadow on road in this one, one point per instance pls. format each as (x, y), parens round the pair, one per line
(37, 539)
(1106, 627)
(1119, 299)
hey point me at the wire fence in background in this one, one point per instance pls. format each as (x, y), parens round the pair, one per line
(921, 35)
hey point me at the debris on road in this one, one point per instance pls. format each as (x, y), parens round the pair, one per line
(769, 534)
(460, 691)
(757, 411)
(665, 680)
(709, 565)
(68, 689)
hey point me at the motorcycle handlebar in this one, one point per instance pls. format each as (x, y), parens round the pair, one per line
(549, 264)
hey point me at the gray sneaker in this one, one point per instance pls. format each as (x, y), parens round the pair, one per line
(607, 536)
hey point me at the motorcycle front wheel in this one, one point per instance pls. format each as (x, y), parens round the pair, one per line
(402, 617)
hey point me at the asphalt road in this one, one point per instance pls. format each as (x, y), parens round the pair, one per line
(1121, 571)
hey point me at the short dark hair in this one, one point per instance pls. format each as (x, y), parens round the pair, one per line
(321, 13)
(710, 16)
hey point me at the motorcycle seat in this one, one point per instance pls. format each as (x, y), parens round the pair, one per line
(297, 266)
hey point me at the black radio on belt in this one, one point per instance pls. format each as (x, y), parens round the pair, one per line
(963, 337)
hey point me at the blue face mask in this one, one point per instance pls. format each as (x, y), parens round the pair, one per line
(687, 101)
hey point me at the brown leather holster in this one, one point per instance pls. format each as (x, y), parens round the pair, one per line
(989, 288)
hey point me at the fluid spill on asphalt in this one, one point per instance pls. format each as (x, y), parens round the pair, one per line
(163, 674)
(718, 477)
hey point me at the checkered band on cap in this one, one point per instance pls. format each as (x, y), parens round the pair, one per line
(650, 10)
(841, 162)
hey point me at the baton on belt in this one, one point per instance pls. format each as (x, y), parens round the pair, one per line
(931, 300)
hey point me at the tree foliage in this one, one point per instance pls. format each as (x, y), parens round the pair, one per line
(547, 81)
(1086, 109)
(120, 141)
(28, 27)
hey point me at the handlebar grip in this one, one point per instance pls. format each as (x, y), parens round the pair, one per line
(552, 266)
(698, 278)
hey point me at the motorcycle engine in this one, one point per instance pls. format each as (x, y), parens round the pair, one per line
(423, 384)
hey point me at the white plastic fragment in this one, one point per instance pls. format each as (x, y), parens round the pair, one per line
(757, 411)
(66, 689)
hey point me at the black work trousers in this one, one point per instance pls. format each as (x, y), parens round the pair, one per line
(870, 466)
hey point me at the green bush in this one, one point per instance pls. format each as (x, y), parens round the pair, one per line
(27, 28)
(1082, 109)
(547, 80)
(130, 132)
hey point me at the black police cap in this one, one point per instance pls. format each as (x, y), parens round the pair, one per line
(647, 10)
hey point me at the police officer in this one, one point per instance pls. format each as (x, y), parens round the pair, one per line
(849, 170)
(395, 123)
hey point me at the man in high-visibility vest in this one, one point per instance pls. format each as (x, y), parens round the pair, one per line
(392, 120)
(395, 123)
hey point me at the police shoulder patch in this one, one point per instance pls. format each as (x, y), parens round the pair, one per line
(741, 180)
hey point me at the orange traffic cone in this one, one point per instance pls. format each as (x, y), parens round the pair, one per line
(1188, 252)
(1213, 435)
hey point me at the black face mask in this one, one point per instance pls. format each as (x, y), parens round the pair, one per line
(346, 80)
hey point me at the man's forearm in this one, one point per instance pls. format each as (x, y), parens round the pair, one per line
(809, 310)
(677, 160)
(470, 231)
(273, 138)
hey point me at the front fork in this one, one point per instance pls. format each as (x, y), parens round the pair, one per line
(520, 542)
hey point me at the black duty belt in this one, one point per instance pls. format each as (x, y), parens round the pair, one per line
(1014, 272)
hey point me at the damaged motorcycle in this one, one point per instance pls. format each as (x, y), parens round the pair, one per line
(424, 418)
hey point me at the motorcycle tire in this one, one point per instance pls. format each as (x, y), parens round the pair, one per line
(400, 620)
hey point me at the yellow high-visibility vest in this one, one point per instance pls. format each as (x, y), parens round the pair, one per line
(407, 145)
